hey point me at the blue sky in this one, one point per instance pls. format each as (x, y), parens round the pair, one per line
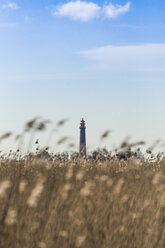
(101, 60)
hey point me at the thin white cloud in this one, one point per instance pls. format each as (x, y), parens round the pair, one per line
(146, 57)
(112, 11)
(78, 10)
(85, 11)
(10, 5)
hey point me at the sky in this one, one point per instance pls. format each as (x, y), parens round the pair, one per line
(101, 60)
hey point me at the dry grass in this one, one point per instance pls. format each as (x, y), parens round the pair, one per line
(82, 203)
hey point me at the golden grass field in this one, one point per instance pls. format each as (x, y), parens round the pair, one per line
(69, 203)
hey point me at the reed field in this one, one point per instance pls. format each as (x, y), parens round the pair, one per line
(82, 203)
(102, 201)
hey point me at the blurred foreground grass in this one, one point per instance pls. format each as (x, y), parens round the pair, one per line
(70, 203)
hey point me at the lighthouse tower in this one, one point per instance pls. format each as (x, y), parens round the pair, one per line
(82, 148)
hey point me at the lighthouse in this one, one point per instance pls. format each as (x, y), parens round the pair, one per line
(82, 148)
